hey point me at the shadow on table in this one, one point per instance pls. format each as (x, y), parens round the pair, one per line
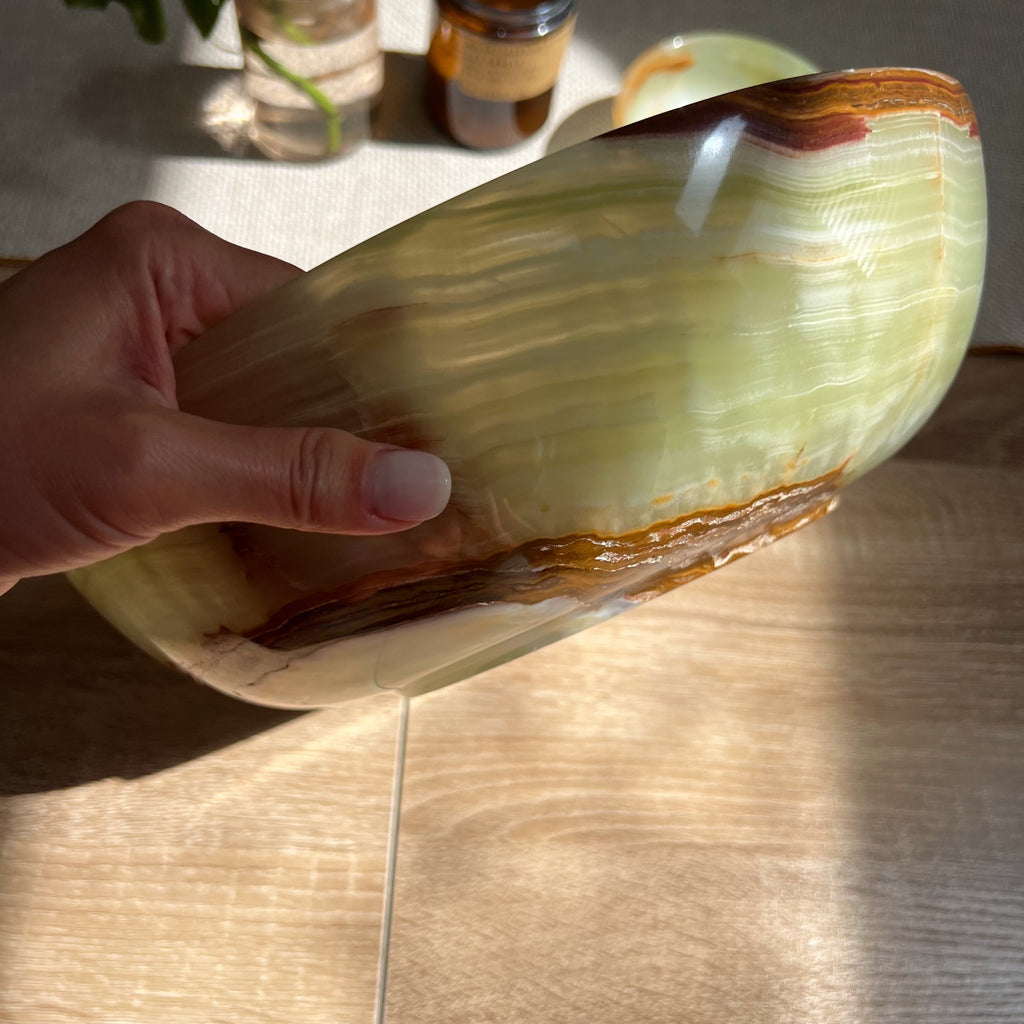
(165, 109)
(80, 703)
(402, 116)
(586, 123)
(183, 110)
(929, 602)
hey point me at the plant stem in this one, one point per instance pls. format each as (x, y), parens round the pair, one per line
(252, 42)
(288, 27)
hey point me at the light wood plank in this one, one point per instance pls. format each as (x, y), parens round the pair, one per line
(169, 855)
(981, 423)
(791, 791)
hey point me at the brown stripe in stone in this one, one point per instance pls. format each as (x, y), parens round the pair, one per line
(589, 568)
(659, 63)
(818, 111)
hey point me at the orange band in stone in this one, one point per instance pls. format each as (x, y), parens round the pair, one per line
(576, 566)
(822, 111)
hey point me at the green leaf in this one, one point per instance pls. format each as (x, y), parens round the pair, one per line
(148, 16)
(204, 14)
(149, 19)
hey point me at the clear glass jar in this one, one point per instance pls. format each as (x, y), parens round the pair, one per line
(314, 71)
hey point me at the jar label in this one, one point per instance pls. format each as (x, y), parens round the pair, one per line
(504, 71)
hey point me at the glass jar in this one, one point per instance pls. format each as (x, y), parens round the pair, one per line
(315, 74)
(492, 67)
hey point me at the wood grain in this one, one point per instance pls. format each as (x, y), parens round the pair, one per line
(792, 791)
(170, 855)
(982, 421)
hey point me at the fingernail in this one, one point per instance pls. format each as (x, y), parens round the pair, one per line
(407, 486)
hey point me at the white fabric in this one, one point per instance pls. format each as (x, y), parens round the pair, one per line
(93, 117)
(97, 118)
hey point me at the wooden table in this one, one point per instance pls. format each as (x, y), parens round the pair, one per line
(790, 792)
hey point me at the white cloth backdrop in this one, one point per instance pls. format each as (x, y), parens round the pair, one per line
(92, 117)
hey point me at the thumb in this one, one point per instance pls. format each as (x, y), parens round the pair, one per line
(303, 478)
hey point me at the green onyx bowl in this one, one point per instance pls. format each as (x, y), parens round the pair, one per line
(641, 357)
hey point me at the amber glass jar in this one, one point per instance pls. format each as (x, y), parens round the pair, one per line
(492, 67)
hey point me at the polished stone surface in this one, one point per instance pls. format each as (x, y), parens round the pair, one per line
(642, 357)
(688, 68)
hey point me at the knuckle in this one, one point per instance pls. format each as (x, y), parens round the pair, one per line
(123, 241)
(313, 471)
(141, 215)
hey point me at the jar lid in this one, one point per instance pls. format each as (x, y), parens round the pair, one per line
(518, 13)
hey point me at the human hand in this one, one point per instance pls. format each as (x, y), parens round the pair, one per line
(96, 457)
